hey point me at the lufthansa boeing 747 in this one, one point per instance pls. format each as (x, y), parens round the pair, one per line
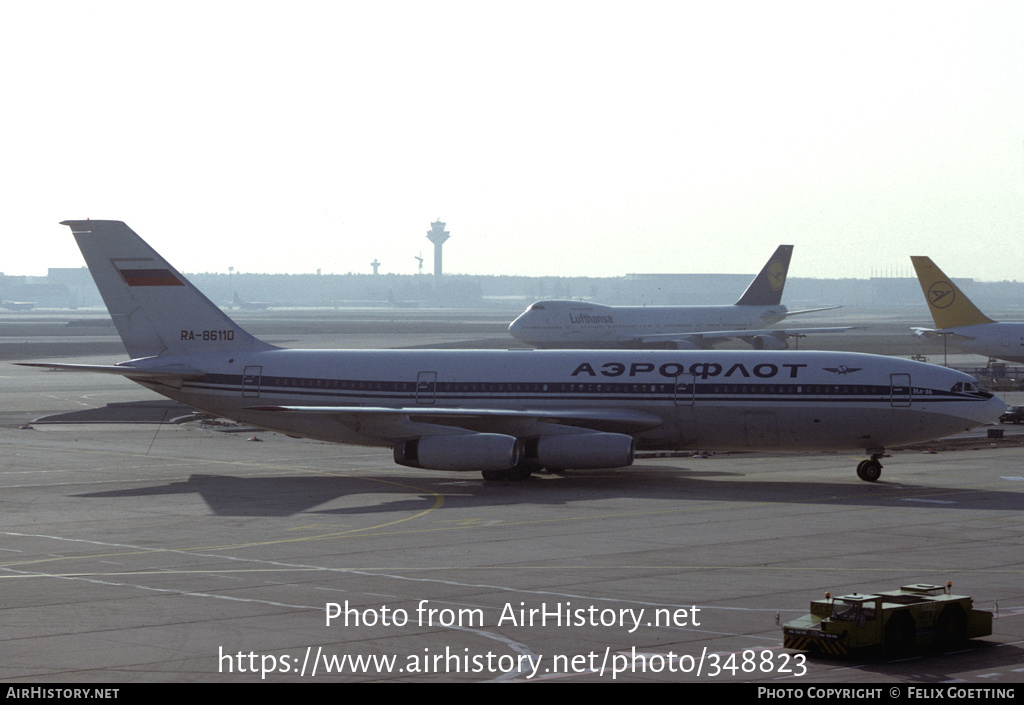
(580, 325)
(508, 413)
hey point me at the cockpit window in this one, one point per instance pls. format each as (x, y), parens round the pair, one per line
(537, 307)
(973, 388)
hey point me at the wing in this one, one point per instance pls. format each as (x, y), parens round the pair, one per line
(397, 422)
(626, 421)
(705, 339)
(797, 332)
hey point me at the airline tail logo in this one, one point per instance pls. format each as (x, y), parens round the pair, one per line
(950, 307)
(776, 275)
(149, 277)
(135, 272)
(941, 295)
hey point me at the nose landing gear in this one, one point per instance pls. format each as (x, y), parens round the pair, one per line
(870, 470)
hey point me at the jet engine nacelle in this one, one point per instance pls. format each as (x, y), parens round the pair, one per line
(465, 452)
(585, 451)
(768, 342)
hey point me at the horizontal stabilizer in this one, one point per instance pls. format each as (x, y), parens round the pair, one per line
(811, 310)
(932, 334)
(122, 370)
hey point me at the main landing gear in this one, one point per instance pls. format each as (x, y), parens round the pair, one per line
(870, 470)
(522, 471)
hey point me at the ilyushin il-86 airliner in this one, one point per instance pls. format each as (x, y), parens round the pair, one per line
(508, 413)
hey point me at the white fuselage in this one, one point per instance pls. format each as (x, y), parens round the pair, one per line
(797, 400)
(572, 324)
(1004, 341)
(508, 413)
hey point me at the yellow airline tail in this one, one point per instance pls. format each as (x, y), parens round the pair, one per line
(949, 307)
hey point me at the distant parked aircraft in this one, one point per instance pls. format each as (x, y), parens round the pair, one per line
(575, 324)
(963, 325)
(249, 305)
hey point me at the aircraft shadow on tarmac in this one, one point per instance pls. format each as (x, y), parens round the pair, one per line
(227, 495)
(149, 411)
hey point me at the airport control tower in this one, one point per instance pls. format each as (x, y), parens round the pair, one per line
(437, 235)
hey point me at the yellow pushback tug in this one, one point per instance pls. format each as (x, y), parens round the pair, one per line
(915, 616)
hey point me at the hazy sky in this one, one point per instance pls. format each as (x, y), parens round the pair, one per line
(554, 138)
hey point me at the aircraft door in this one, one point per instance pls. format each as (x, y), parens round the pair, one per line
(426, 385)
(685, 389)
(251, 381)
(901, 395)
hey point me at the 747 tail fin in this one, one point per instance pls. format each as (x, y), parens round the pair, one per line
(766, 289)
(949, 307)
(156, 310)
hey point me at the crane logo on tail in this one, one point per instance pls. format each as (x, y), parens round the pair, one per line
(776, 275)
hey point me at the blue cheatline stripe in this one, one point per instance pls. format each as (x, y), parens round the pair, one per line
(525, 392)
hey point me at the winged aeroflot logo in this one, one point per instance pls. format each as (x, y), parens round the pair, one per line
(941, 294)
(842, 370)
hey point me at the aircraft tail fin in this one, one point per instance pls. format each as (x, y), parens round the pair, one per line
(156, 310)
(766, 289)
(949, 307)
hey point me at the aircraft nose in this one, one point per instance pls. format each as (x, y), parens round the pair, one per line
(517, 328)
(995, 407)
